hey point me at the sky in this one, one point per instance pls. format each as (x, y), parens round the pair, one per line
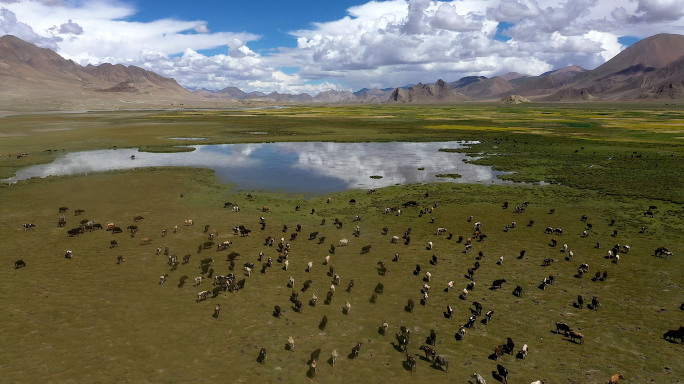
(313, 46)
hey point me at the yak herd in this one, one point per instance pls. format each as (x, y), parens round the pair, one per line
(281, 247)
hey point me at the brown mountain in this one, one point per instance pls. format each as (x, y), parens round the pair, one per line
(39, 79)
(488, 89)
(633, 73)
(439, 92)
(546, 83)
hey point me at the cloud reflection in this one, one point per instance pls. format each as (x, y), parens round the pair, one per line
(295, 167)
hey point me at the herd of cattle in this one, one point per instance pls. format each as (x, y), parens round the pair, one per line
(278, 252)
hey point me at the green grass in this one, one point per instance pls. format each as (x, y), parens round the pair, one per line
(91, 320)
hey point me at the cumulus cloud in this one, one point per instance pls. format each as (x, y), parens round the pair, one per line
(70, 28)
(378, 43)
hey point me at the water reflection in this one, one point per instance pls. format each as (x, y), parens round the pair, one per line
(310, 167)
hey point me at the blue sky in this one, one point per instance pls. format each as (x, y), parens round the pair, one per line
(313, 46)
(273, 20)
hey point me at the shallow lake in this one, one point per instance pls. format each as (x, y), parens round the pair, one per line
(294, 167)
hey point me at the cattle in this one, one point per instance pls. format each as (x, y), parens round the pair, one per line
(355, 350)
(323, 323)
(265, 209)
(201, 296)
(576, 335)
(488, 316)
(500, 262)
(286, 264)
(198, 281)
(464, 294)
(615, 379)
(449, 312)
(333, 357)
(450, 286)
(163, 278)
(498, 351)
(510, 346)
(343, 243)
(503, 373)
(430, 353)
(28, 227)
(189, 222)
(410, 362)
(120, 259)
(19, 264)
(217, 310)
(350, 287)
(441, 231)
(523, 352)
(442, 362)
(262, 355)
(427, 277)
(518, 291)
(347, 308)
(409, 305)
(594, 303)
(394, 240)
(290, 344)
(68, 254)
(145, 241)
(365, 249)
(336, 279)
(580, 301)
(674, 334)
(496, 284)
(662, 251)
(563, 327)
(478, 308)
(479, 379)
(314, 300)
(309, 266)
(429, 245)
(383, 327)
(277, 311)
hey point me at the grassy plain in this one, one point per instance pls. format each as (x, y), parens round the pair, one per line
(91, 320)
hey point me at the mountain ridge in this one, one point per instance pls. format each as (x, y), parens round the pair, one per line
(650, 69)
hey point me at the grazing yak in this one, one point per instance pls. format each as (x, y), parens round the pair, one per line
(562, 327)
(410, 362)
(201, 296)
(576, 335)
(262, 355)
(615, 379)
(496, 284)
(19, 264)
(333, 357)
(503, 373)
(442, 362)
(355, 350)
(430, 353)
(675, 334)
(479, 379)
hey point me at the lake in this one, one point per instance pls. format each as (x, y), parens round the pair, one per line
(292, 167)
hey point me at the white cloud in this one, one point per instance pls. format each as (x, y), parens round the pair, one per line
(379, 43)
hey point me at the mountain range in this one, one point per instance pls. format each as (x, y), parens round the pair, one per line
(38, 78)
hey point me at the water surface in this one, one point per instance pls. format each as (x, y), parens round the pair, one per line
(294, 167)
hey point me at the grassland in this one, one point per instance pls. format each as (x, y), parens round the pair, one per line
(91, 320)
